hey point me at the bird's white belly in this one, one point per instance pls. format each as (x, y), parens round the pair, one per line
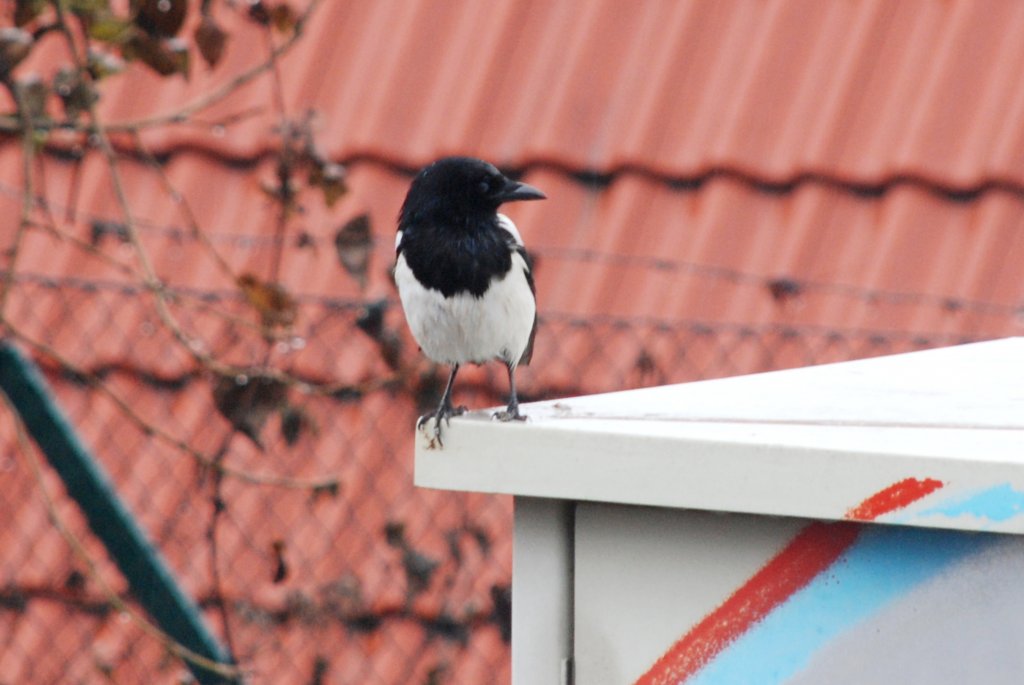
(463, 328)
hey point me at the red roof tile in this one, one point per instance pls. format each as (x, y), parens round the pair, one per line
(732, 187)
(862, 93)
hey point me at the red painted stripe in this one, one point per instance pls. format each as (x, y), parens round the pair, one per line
(896, 496)
(814, 549)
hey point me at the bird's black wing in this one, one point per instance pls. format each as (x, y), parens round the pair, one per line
(521, 250)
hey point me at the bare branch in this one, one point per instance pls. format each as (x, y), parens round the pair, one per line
(206, 461)
(27, 194)
(217, 506)
(175, 647)
(183, 205)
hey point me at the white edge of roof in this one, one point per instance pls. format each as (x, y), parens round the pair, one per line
(811, 442)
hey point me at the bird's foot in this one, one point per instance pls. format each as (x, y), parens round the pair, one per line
(444, 413)
(510, 414)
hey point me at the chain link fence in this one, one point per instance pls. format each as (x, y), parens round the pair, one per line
(284, 503)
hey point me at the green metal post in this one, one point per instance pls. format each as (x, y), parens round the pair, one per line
(149, 578)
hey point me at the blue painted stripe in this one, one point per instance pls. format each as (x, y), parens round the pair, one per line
(884, 564)
(998, 503)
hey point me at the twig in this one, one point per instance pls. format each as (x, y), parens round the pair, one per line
(182, 114)
(204, 460)
(275, 73)
(95, 252)
(225, 121)
(186, 209)
(39, 200)
(91, 250)
(313, 610)
(285, 161)
(172, 645)
(307, 384)
(151, 280)
(194, 346)
(9, 124)
(27, 154)
(217, 507)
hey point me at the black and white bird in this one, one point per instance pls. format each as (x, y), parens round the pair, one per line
(463, 274)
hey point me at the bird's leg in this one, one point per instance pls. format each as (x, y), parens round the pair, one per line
(445, 410)
(512, 412)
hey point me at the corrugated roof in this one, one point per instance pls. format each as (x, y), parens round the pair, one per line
(862, 93)
(732, 186)
(877, 261)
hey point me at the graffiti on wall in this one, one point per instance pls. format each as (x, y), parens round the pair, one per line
(831, 580)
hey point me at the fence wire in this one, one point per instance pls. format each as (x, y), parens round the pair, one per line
(286, 506)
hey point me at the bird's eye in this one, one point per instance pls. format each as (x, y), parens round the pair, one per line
(491, 185)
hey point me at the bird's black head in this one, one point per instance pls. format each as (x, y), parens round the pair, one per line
(457, 190)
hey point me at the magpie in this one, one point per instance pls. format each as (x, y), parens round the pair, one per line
(463, 274)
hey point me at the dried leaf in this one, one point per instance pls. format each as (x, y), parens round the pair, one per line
(419, 569)
(283, 17)
(482, 539)
(645, 363)
(371, 319)
(164, 56)
(784, 289)
(501, 596)
(453, 536)
(211, 40)
(294, 422)
(343, 596)
(259, 12)
(103, 64)
(179, 52)
(391, 349)
(27, 10)
(371, 322)
(247, 401)
(329, 490)
(285, 192)
(354, 244)
(275, 305)
(111, 29)
(363, 623)
(162, 18)
(291, 426)
(394, 534)
(279, 15)
(277, 548)
(33, 93)
(75, 582)
(76, 93)
(101, 228)
(449, 628)
(15, 44)
(391, 346)
(329, 178)
(321, 665)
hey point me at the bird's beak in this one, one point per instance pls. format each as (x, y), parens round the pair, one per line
(520, 191)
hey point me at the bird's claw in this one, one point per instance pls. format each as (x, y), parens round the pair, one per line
(443, 414)
(510, 414)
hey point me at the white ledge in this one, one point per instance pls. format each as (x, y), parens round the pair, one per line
(813, 442)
